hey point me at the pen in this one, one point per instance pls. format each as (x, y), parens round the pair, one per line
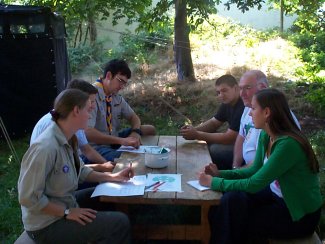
(157, 186)
(130, 173)
(154, 184)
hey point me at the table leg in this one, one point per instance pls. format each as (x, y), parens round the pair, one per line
(205, 226)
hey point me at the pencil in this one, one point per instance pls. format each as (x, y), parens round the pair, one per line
(157, 186)
(130, 170)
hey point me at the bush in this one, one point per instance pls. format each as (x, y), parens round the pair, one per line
(143, 47)
(82, 55)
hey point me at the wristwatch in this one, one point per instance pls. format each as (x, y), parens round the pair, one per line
(138, 131)
(66, 213)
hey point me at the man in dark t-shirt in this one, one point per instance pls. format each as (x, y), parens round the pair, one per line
(221, 144)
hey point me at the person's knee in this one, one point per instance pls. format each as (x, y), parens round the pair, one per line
(215, 148)
(221, 155)
(123, 220)
(148, 130)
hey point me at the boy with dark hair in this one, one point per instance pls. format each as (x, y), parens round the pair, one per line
(89, 154)
(105, 122)
(221, 144)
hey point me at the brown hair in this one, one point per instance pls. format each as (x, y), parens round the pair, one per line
(281, 121)
(66, 101)
(226, 79)
(82, 85)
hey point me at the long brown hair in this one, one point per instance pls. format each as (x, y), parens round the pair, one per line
(281, 121)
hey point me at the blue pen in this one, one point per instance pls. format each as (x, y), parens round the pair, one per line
(154, 184)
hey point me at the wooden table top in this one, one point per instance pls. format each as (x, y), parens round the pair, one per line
(187, 157)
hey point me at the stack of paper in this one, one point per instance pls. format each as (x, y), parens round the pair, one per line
(196, 185)
(133, 187)
(136, 186)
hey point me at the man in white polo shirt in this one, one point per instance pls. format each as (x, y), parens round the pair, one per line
(247, 138)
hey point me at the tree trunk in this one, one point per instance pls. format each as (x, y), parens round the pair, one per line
(182, 48)
(281, 15)
(92, 29)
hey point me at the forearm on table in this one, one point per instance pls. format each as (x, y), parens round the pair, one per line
(226, 138)
(99, 177)
(210, 126)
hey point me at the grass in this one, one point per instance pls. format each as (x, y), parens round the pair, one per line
(10, 215)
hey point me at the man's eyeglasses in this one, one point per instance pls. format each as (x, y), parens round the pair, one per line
(122, 82)
(247, 88)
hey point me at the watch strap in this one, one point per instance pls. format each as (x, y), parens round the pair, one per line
(138, 131)
(66, 212)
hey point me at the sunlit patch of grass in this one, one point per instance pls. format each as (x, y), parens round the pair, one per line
(10, 216)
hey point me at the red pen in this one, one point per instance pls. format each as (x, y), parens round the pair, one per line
(157, 186)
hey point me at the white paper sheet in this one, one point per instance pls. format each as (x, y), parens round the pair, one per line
(134, 187)
(172, 182)
(196, 185)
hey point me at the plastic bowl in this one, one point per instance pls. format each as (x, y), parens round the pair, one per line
(156, 161)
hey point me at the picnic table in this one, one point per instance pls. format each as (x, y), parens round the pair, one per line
(187, 157)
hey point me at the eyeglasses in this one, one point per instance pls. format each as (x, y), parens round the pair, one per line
(247, 88)
(123, 83)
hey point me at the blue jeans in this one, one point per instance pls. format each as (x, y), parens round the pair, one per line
(109, 151)
(264, 215)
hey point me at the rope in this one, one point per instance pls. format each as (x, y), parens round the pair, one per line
(11, 146)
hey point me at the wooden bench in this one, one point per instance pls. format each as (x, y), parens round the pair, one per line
(24, 239)
(313, 239)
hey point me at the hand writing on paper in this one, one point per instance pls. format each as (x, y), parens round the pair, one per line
(123, 175)
(204, 179)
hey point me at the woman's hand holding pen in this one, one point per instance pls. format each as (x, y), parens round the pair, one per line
(123, 175)
(204, 179)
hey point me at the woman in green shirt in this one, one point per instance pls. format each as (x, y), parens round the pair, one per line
(278, 196)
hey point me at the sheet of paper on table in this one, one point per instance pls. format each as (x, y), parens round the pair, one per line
(172, 182)
(196, 185)
(141, 149)
(134, 187)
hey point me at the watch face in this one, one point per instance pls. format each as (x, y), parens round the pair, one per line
(67, 211)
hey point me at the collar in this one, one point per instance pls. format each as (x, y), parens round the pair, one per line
(62, 140)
